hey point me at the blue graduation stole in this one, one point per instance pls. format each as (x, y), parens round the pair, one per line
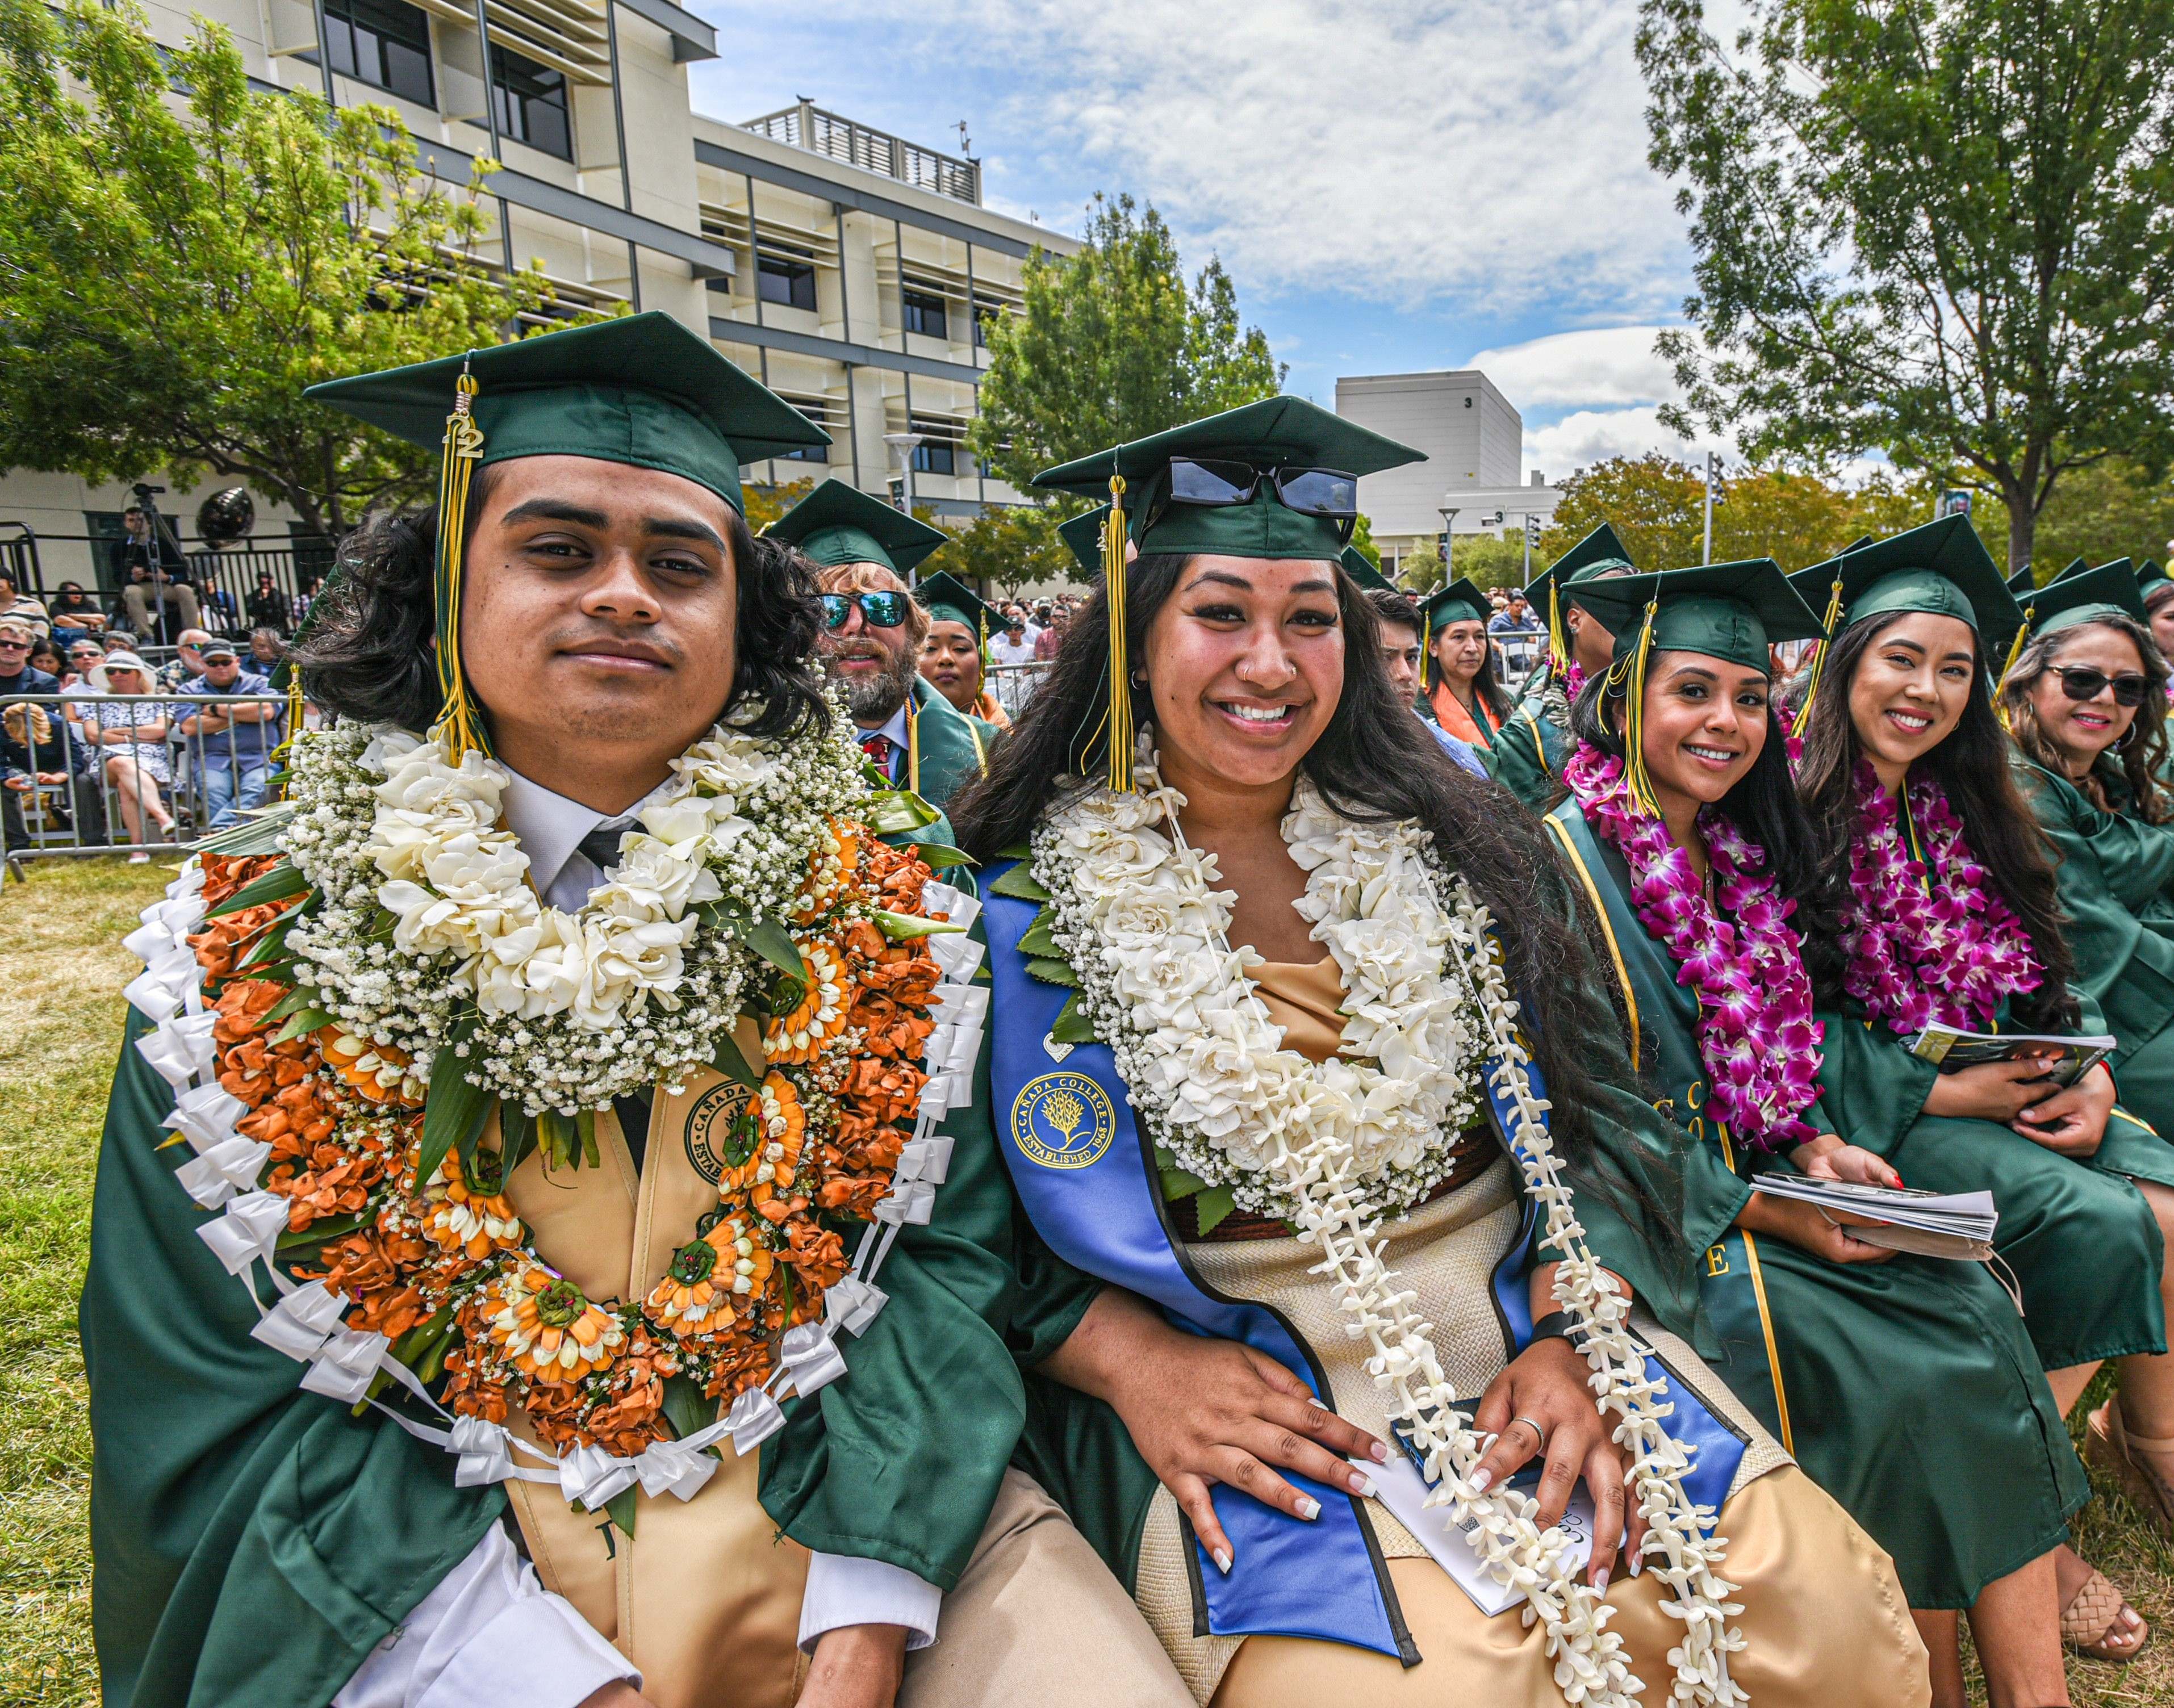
(1086, 1173)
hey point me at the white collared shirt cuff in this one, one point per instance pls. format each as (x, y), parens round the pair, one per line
(844, 1589)
(489, 1635)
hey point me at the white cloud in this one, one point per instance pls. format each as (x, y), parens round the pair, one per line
(1606, 365)
(1490, 154)
(1591, 435)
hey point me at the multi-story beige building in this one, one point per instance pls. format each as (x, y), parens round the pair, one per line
(854, 271)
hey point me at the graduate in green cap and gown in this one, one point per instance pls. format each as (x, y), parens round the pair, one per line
(1403, 655)
(1211, 920)
(1460, 691)
(2157, 587)
(1683, 825)
(351, 1331)
(872, 631)
(1527, 756)
(2083, 697)
(955, 652)
(1952, 915)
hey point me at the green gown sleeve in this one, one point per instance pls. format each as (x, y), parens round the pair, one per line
(253, 1542)
(1524, 760)
(1874, 1088)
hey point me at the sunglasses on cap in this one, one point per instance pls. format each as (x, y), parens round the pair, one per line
(1210, 483)
(879, 610)
(2081, 683)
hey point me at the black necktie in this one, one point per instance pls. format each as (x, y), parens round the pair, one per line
(600, 847)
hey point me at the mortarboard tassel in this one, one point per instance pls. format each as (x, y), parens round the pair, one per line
(2015, 652)
(1120, 730)
(1558, 648)
(1820, 652)
(1632, 672)
(457, 715)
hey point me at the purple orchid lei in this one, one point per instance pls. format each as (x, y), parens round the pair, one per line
(1756, 1036)
(1944, 949)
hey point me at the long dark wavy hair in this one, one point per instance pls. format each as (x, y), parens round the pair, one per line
(2137, 760)
(1970, 767)
(370, 649)
(1374, 761)
(1764, 805)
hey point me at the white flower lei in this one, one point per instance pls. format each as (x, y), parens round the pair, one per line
(428, 908)
(1337, 1148)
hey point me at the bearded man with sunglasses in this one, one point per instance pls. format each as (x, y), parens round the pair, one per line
(872, 635)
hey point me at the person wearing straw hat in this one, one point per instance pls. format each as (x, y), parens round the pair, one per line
(1952, 915)
(954, 655)
(1251, 943)
(872, 631)
(572, 1168)
(1682, 825)
(1461, 693)
(128, 736)
(1527, 755)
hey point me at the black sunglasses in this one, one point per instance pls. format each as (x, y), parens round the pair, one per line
(1211, 482)
(2080, 682)
(878, 610)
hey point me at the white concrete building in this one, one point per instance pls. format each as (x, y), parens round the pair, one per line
(852, 271)
(1473, 439)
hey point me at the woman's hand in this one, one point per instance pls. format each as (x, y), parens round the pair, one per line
(1826, 1158)
(2072, 1120)
(1541, 1397)
(1992, 1090)
(1201, 1412)
(1824, 1232)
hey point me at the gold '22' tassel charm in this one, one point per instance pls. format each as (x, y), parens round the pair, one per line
(458, 716)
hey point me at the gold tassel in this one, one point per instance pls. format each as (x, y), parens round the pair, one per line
(1820, 652)
(1121, 687)
(1634, 717)
(2015, 652)
(1558, 648)
(457, 715)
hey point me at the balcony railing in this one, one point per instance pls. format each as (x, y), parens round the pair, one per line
(807, 125)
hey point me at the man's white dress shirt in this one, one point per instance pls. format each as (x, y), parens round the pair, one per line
(490, 1636)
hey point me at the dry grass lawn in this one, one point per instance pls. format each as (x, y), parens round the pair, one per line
(61, 967)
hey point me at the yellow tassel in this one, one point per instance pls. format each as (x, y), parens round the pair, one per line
(457, 715)
(1820, 652)
(2015, 652)
(1120, 686)
(1558, 648)
(1634, 717)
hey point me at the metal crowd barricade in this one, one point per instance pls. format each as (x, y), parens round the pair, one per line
(1520, 652)
(62, 795)
(1013, 684)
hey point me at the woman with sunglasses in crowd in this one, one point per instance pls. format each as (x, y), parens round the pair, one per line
(1951, 916)
(1461, 692)
(1684, 824)
(2084, 701)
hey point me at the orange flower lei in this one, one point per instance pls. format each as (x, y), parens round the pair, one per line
(445, 1268)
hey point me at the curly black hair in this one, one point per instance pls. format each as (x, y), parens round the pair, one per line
(370, 649)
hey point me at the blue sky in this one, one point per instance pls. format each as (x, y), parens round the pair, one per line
(1392, 186)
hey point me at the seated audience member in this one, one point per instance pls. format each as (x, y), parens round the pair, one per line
(22, 607)
(130, 739)
(267, 607)
(159, 599)
(266, 649)
(186, 667)
(18, 675)
(49, 787)
(230, 747)
(73, 613)
(48, 657)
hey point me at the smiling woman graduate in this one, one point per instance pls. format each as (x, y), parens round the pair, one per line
(1683, 826)
(1277, 991)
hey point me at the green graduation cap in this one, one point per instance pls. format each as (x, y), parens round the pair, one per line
(2149, 575)
(947, 599)
(1598, 554)
(1083, 535)
(1369, 579)
(641, 391)
(1732, 611)
(2079, 594)
(1463, 601)
(838, 523)
(2022, 580)
(1279, 478)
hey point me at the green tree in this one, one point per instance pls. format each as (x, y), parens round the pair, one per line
(1420, 571)
(1490, 562)
(1006, 547)
(175, 272)
(1111, 344)
(1362, 536)
(1935, 229)
(766, 504)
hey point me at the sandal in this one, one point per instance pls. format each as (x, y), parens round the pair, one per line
(2107, 1447)
(2087, 1622)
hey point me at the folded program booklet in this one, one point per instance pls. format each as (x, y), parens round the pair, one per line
(1949, 1049)
(1930, 1224)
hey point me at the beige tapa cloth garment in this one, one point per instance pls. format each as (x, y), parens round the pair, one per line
(1824, 1615)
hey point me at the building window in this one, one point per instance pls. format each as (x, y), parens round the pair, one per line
(530, 100)
(384, 43)
(786, 275)
(985, 315)
(925, 313)
(807, 453)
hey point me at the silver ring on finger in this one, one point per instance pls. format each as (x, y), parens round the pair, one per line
(1533, 1424)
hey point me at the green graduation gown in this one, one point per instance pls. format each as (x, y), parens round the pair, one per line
(1909, 1390)
(253, 1541)
(946, 748)
(2115, 873)
(1527, 758)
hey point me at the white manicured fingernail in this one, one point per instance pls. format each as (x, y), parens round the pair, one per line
(1362, 1483)
(1634, 1566)
(1600, 1581)
(1309, 1509)
(1380, 1450)
(1481, 1480)
(1222, 1557)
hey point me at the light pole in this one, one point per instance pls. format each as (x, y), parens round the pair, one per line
(1712, 475)
(1527, 519)
(1448, 514)
(904, 444)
